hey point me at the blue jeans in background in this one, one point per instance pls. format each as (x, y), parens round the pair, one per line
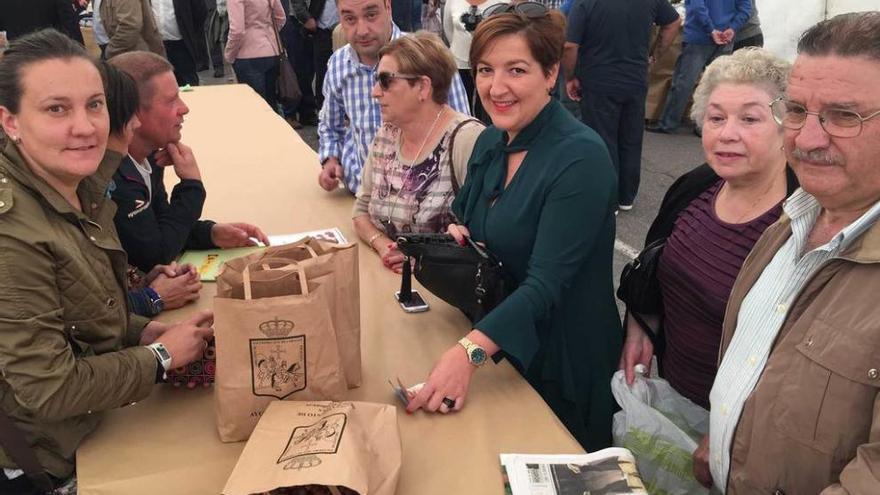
(261, 74)
(688, 67)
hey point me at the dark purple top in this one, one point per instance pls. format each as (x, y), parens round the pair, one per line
(697, 269)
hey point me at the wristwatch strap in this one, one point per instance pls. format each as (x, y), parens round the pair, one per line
(156, 302)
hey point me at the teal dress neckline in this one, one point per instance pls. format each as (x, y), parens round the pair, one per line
(481, 164)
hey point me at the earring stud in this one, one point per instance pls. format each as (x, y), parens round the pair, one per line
(16, 139)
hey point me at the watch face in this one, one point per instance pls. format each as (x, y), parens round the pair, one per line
(478, 356)
(163, 353)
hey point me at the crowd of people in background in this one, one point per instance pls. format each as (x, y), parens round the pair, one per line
(766, 254)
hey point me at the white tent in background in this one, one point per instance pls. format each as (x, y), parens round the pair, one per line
(783, 21)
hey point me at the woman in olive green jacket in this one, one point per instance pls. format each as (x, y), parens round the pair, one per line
(69, 348)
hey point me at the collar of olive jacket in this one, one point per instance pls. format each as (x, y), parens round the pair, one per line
(863, 250)
(92, 190)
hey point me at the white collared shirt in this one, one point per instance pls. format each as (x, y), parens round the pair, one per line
(762, 315)
(166, 20)
(146, 170)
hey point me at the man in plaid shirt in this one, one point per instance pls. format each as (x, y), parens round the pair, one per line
(350, 117)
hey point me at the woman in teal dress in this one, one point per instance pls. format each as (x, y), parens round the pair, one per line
(541, 195)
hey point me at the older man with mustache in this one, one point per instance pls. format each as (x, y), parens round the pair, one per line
(795, 404)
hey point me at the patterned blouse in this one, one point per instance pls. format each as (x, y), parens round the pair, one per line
(415, 197)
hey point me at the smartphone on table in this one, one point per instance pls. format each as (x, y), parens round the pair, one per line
(415, 304)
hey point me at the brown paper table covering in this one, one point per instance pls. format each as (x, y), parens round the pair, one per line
(256, 168)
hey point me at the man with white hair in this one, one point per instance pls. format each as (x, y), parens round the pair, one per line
(795, 406)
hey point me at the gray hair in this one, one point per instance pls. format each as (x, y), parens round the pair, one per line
(856, 34)
(754, 66)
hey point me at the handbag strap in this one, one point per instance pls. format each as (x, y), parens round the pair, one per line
(282, 53)
(13, 442)
(455, 184)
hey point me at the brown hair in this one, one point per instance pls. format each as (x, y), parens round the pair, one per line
(856, 34)
(142, 67)
(424, 54)
(47, 44)
(545, 36)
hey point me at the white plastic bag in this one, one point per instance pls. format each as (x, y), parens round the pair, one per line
(662, 429)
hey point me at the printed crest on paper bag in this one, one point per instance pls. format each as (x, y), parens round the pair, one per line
(278, 363)
(305, 442)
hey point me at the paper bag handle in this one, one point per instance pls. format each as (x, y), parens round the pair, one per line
(308, 248)
(264, 264)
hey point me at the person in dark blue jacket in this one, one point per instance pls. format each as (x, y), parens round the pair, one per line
(710, 27)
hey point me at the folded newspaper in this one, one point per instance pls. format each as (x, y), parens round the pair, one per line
(606, 472)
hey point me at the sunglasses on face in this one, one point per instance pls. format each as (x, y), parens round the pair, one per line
(837, 122)
(531, 10)
(384, 79)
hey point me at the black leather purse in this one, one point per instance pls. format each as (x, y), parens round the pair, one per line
(639, 287)
(468, 277)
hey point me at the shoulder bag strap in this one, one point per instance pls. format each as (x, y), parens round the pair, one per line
(282, 53)
(455, 185)
(13, 442)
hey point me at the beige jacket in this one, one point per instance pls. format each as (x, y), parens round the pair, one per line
(812, 424)
(130, 26)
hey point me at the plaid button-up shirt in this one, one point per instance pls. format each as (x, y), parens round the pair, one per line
(347, 89)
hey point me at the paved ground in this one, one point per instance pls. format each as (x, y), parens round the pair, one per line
(664, 159)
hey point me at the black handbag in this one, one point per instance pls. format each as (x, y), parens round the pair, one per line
(639, 287)
(468, 277)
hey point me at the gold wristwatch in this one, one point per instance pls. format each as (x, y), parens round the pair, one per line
(476, 355)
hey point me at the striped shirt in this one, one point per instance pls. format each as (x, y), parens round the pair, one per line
(699, 264)
(350, 117)
(762, 315)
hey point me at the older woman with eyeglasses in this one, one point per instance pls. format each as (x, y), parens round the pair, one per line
(418, 159)
(710, 218)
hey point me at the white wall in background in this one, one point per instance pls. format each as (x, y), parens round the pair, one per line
(783, 21)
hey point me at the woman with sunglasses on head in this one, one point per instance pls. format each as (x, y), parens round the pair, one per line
(70, 349)
(418, 159)
(541, 195)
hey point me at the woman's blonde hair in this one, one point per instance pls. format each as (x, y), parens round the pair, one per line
(752, 65)
(424, 54)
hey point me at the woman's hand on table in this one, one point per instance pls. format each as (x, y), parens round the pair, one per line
(637, 349)
(187, 340)
(451, 377)
(392, 258)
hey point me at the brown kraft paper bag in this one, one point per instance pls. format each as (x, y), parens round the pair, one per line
(329, 447)
(274, 341)
(335, 267)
